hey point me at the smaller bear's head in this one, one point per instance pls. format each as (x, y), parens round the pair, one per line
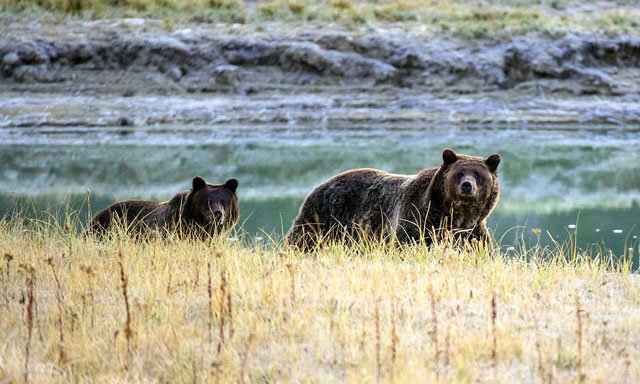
(469, 178)
(214, 206)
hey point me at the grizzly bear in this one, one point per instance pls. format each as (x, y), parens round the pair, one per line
(457, 196)
(202, 211)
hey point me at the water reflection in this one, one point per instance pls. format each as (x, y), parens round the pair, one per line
(550, 178)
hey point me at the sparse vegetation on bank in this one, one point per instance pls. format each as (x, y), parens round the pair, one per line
(183, 311)
(469, 19)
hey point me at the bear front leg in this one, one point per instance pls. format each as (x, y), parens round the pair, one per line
(412, 233)
(304, 237)
(481, 234)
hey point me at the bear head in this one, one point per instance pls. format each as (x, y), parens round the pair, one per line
(213, 207)
(469, 180)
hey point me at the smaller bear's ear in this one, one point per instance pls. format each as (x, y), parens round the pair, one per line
(492, 162)
(449, 157)
(198, 183)
(231, 184)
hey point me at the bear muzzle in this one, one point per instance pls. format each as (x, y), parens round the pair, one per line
(467, 188)
(215, 215)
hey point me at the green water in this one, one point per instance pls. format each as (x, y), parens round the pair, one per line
(551, 177)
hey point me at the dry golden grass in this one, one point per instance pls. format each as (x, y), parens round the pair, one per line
(186, 311)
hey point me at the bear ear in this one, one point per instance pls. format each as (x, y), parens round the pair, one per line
(231, 184)
(449, 156)
(492, 162)
(198, 183)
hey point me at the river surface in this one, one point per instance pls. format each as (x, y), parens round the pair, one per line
(562, 179)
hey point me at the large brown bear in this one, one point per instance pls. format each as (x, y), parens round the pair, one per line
(204, 210)
(458, 195)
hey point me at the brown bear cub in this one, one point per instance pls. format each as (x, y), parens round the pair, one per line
(458, 195)
(203, 211)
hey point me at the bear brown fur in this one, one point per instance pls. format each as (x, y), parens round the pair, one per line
(202, 211)
(458, 195)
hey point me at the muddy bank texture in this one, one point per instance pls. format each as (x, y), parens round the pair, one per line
(580, 77)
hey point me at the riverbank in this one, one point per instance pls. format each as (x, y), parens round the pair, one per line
(136, 107)
(395, 73)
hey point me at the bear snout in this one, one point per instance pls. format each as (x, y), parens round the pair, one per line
(218, 214)
(467, 188)
(214, 215)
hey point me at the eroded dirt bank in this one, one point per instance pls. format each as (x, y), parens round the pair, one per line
(134, 72)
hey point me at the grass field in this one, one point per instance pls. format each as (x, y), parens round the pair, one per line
(465, 18)
(76, 310)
